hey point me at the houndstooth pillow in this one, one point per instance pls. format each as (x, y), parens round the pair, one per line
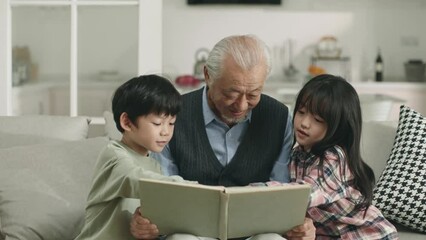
(401, 190)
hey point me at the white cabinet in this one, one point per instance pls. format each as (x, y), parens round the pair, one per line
(379, 101)
(54, 99)
(31, 101)
(93, 99)
(412, 94)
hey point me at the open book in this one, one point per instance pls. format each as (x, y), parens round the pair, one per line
(223, 212)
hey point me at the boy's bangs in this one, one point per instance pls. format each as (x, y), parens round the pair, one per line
(167, 106)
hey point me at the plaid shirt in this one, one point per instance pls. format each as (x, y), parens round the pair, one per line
(333, 198)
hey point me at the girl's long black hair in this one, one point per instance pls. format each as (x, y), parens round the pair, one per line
(336, 101)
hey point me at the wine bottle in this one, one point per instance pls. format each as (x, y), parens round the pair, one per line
(379, 67)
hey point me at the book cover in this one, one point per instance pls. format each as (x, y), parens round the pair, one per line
(220, 212)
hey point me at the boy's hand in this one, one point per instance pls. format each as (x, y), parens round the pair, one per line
(142, 228)
(302, 232)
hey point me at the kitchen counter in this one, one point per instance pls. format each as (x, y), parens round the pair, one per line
(383, 95)
(412, 94)
(391, 85)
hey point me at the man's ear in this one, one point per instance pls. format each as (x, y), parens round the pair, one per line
(125, 122)
(206, 76)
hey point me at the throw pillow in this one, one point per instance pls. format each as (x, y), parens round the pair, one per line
(111, 130)
(14, 140)
(44, 187)
(59, 127)
(376, 153)
(401, 190)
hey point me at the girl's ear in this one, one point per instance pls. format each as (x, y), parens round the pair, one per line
(125, 122)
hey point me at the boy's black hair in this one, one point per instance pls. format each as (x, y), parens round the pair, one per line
(143, 95)
(336, 101)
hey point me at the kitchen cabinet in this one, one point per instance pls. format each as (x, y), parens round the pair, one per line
(93, 99)
(412, 94)
(379, 101)
(32, 100)
(54, 98)
(374, 97)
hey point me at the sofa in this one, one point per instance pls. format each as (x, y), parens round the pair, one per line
(46, 164)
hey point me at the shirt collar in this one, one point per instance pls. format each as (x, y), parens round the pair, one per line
(208, 113)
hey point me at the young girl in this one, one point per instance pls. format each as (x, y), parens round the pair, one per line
(327, 125)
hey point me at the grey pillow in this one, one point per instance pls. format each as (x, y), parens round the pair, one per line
(111, 130)
(14, 140)
(59, 127)
(376, 144)
(43, 188)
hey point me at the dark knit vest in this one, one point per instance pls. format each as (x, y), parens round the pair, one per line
(254, 158)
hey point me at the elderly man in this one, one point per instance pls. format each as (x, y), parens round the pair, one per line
(229, 133)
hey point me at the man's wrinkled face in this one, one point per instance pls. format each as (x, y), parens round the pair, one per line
(236, 91)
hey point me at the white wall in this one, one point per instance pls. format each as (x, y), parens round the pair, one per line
(361, 27)
(5, 84)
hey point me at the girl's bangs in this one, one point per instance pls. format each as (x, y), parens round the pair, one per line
(317, 102)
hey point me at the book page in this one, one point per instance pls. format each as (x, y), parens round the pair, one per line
(181, 208)
(223, 222)
(249, 188)
(275, 209)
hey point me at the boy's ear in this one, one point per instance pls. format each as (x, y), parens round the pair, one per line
(125, 121)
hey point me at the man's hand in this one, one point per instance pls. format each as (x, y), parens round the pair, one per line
(142, 228)
(306, 231)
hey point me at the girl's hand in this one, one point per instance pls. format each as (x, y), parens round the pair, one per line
(302, 232)
(142, 228)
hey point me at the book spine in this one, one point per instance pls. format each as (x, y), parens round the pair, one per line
(223, 216)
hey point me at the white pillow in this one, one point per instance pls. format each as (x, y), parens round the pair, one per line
(59, 127)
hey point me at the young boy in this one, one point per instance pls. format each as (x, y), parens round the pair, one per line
(144, 111)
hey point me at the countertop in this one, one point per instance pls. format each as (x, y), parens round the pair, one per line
(274, 87)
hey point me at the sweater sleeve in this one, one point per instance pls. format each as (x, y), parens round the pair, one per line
(117, 175)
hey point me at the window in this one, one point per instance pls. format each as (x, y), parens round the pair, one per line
(66, 57)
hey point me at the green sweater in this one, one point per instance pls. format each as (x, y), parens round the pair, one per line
(114, 193)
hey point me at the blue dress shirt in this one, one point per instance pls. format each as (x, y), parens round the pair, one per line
(225, 141)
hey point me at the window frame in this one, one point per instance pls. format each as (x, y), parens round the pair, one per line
(149, 42)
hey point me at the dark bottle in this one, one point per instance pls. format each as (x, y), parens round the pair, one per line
(379, 67)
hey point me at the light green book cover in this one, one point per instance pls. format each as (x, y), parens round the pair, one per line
(219, 212)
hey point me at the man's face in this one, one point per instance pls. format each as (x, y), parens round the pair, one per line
(236, 92)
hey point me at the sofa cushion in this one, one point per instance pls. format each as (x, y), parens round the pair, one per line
(376, 144)
(401, 190)
(14, 140)
(43, 188)
(111, 130)
(60, 127)
(405, 233)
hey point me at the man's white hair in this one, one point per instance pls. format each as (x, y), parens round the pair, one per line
(247, 51)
